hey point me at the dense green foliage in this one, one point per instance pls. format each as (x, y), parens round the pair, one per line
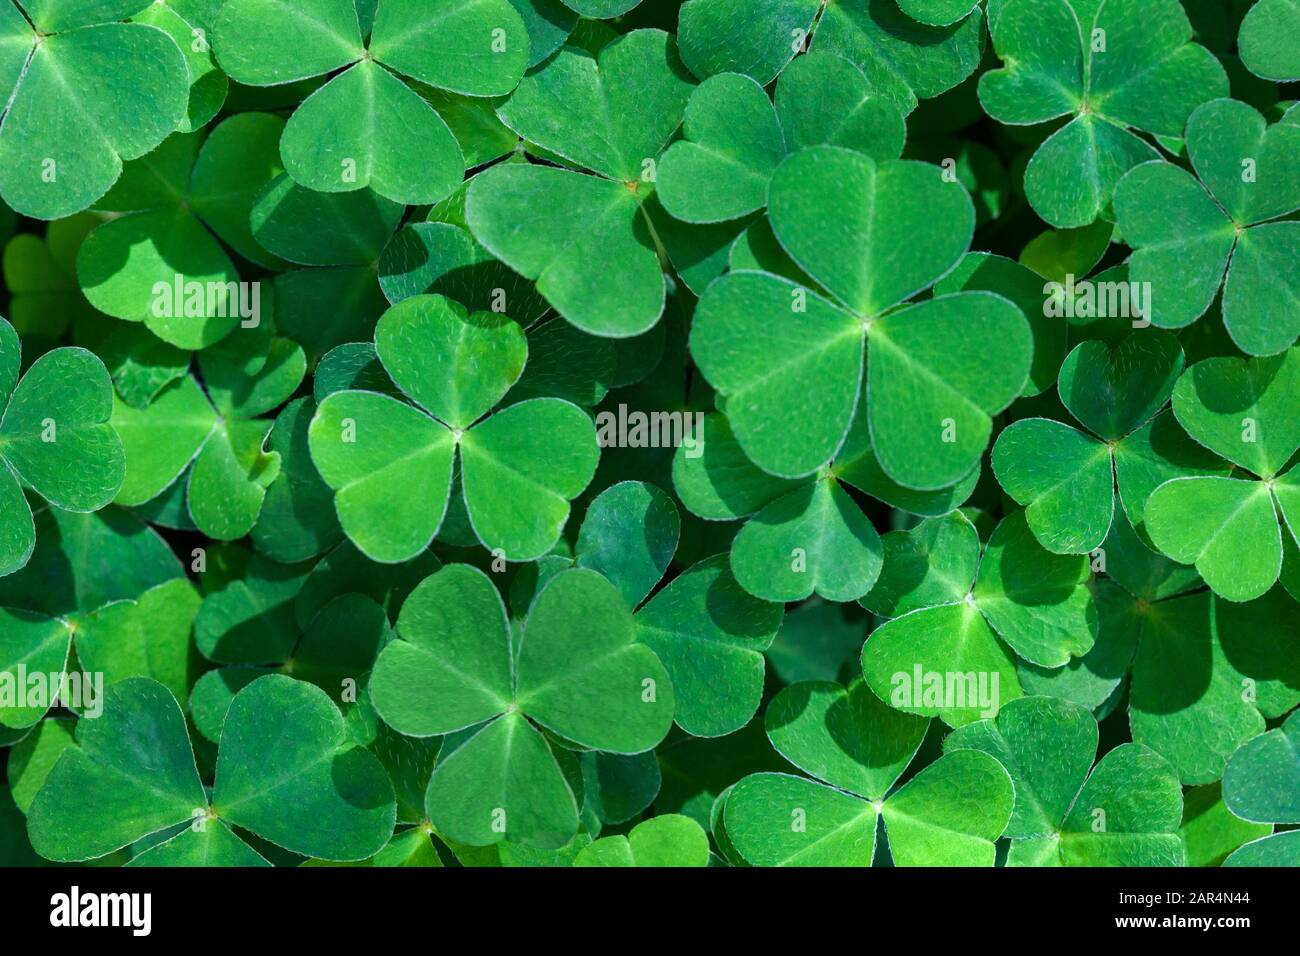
(650, 433)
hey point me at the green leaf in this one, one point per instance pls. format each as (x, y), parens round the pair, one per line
(1047, 745)
(629, 535)
(1268, 40)
(323, 229)
(1038, 602)
(288, 771)
(931, 564)
(55, 433)
(160, 440)
(615, 696)
(1063, 477)
(32, 648)
(132, 773)
(542, 451)
(1150, 78)
(710, 636)
(1261, 780)
(813, 540)
(1114, 391)
(1238, 408)
(941, 662)
(1225, 526)
(845, 737)
(756, 38)
(364, 445)
(667, 840)
(824, 100)
(74, 115)
(732, 143)
(906, 60)
(589, 219)
(950, 813)
(457, 365)
(1127, 813)
(399, 147)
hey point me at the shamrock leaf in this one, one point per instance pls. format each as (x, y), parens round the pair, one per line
(855, 749)
(1268, 40)
(1229, 527)
(286, 771)
(457, 366)
(1260, 784)
(83, 95)
(807, 374)
(1125, 811)
(54, 438)
(1064, 476)
(577, 672)
(666, 840)
(611, 114)
(1113, 67)
(399, 145)
(734, 138)
(807, 536)
(1227, 222)
(757, 39)
(160, 264)
(1195, 654)
(1022, 596)
(908, 61)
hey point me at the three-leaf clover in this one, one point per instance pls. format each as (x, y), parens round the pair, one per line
(855, 749)
(583, 235)
(953, 614)
(575, 676)
(391, 463)
(1232, 528)
(286, 770)
(1113, 66)
(1065, 477)
(1125, 811)
(83, 94)
(1187, 231)
(789, 361)
(396, 143)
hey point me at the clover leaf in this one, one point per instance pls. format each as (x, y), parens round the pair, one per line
(757, 39)
(1113, 68)
(391, 463)
(1125, 811)
(907, 60)
(83, 95)
(1064, 476)
(1229, 527)
(855, 748)
(1246, 180)
(735, 137)
(576, 672)
(1022, 597)
(612, 115)
(666, 840)
(286, 771)
(399, 145)
(1260, 784)
(54, 438)
(1268, 40)
(807, 373)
